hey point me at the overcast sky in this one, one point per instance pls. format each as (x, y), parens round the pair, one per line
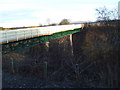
(15, 13)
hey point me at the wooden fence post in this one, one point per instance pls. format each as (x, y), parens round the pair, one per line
(77, 72)
(45, 70)
(12, 65)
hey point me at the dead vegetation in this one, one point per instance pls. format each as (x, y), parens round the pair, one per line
(94, 62)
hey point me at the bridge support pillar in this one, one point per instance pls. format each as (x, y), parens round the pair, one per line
(71, 43)
(47, 46)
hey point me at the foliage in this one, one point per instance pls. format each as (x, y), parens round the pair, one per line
(64, 22)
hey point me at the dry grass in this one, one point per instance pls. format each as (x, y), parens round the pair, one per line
(94, 64)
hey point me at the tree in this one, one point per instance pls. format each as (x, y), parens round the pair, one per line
(105, 14)
(64, 22)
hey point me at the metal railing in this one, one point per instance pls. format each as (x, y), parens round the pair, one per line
(19, 34)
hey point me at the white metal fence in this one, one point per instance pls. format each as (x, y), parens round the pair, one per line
(18, 34)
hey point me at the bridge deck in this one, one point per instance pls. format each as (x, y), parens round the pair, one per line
(21, 34)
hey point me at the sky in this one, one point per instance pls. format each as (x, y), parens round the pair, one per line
(17, 13)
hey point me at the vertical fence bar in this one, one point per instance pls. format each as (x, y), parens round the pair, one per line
(37, 33)
(17, 35)
(6, 37)
(24, 35)
(31, 34)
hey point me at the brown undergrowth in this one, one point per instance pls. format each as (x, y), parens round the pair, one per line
(91, 61)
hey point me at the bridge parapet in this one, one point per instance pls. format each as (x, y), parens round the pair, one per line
(21, 34)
